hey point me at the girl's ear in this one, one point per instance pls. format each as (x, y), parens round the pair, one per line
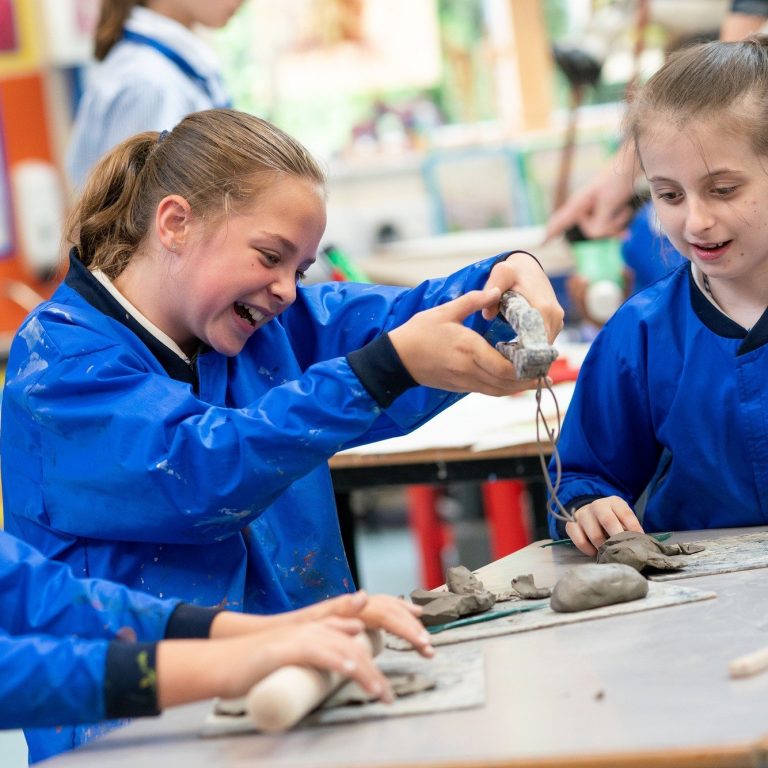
(173, 220)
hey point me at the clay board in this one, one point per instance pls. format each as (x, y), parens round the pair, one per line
(659, 596)
(460, 679)
(722, 555)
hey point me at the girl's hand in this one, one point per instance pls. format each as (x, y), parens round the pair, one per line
(392, 614)
(374, 611)
(597, 521)
(520, 273)
(191, 670)
(439, 351)
(399, 617)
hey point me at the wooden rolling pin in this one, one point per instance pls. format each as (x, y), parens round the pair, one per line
(751, 664)
(283, 698)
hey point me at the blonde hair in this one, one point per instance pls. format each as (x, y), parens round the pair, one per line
(218, 160)
(109, 28)
(726, 81)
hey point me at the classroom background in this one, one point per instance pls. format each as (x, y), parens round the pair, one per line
(449, 129)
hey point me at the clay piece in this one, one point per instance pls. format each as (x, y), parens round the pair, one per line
(424, 596)
(524, 587)
(466, 595)
(593, 586)
(449, 607)
(461, 581)
(641, 551)
(405, 684)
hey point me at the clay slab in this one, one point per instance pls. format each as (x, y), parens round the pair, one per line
(724, 555)
(460, 677)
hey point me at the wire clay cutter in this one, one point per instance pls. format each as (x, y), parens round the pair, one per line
(530, 353)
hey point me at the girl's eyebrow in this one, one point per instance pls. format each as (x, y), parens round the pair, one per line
(284, 242)
(710, 175)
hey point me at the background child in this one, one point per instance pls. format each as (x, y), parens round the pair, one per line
(69, 651)
(168, 415)
(152, 71)
(672, 394)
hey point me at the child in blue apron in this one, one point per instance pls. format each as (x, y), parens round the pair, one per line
(671, 398)
(169, 414)
(152, 70)
(85, 650)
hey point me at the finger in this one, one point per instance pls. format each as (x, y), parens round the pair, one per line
(606, 223)
(400, 618)
(494, 370)
(473, 301)
(343, 605)
(344, 625)
(628, 518)
(408, 627)
(609, 521)
(350, 658)
(592, 528)
(579, 539)
(362, 668)
(564, 217)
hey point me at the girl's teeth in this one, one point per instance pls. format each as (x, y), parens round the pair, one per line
(252, 315)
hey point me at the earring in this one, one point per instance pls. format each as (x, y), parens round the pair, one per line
(174, 246)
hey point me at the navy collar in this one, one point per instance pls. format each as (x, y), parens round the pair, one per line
(722, 325)
(80, 280)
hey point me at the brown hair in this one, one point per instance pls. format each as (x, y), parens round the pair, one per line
(109, 28)
(218, 160)
(727, 81)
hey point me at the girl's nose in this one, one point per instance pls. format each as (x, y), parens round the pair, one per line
(284, 288)
(699, 218)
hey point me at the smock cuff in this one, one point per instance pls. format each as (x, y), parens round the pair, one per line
(381, 371)
(505, 256)
(130, 680)
(190, 621)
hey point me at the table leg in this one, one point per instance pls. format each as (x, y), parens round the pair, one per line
(505, 503)
(347, 529)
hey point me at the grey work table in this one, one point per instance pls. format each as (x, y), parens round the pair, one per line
(643, 689)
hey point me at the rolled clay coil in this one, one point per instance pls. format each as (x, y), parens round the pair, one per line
(751, 664)
(283, 698)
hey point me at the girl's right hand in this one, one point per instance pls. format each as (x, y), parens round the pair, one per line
(439, 351)
(191, 670)
(602, 518)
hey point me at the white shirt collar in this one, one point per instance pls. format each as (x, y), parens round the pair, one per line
(138, 316)
(698, 278)
(192, 47)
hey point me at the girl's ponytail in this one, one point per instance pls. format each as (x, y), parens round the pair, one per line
(107, 223)
(109, 28)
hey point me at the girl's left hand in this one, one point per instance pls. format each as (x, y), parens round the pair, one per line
(398, 616)
(392, 614)
(520, 273)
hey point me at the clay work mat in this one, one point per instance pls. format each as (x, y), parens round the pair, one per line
(659, 596)
(460, 685)
(722, 555)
